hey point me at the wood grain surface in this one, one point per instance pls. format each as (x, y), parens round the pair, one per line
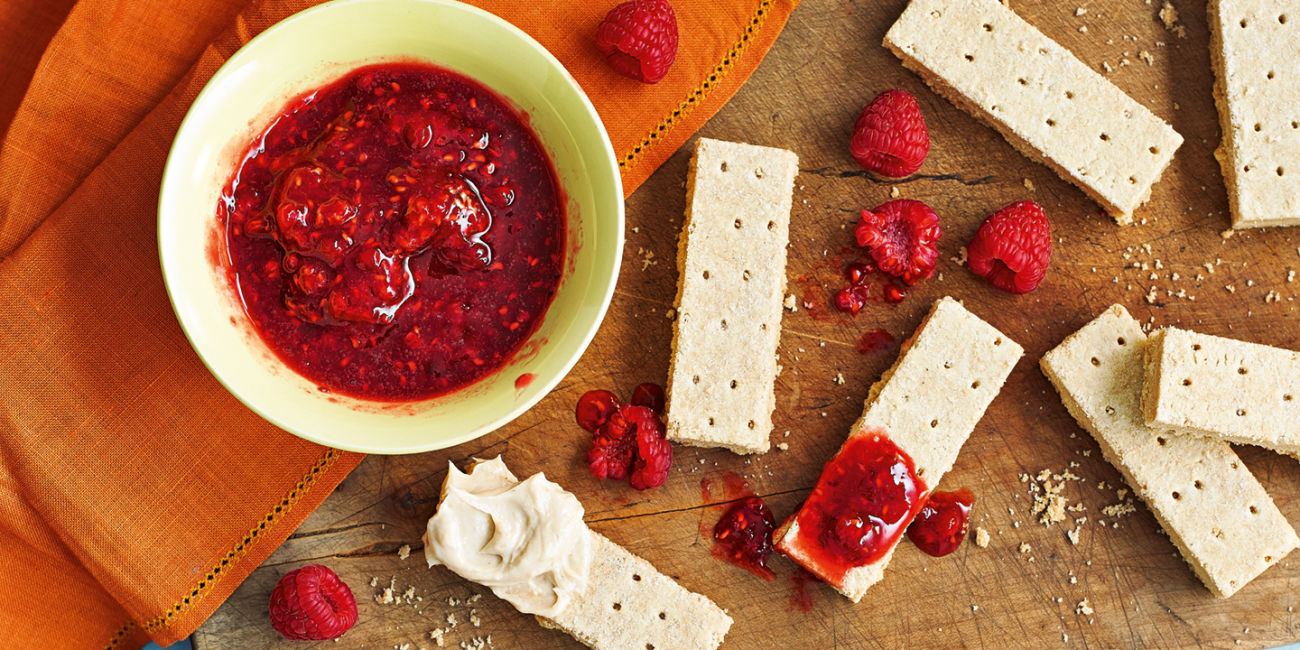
(826, 65)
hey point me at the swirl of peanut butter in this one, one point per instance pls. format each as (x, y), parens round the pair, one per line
(525, 540)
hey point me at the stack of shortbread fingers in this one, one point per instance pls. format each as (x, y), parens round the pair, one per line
(1163, 409)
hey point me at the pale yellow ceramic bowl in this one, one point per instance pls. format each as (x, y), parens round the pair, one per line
(305, 51)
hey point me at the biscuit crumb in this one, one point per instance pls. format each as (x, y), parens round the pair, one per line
(1084, 608)
(436, 635)
(791, 303)
(1029, 185)
(839, 379)
(1169, 16)
(893, 192)
(404, 551)
(1025, 547)
(960, 258)
(981, 537)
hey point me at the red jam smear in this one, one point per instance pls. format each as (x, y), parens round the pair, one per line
(942, 523)
(874, 341)
(397, 234)
(864, 499)
(743, 536)
(800, 597)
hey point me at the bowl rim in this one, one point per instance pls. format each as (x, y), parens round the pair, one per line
(563, 370)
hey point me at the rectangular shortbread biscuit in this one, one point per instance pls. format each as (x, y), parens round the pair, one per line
(1049, 105)
(1210, 505)
(630, 605)
(1222, 388)
(731, 279)
(928, 402)
(1256, 55)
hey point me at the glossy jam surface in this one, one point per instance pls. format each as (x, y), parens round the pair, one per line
(865, 498)
(397, 234)
(942, 523)
(743, 536)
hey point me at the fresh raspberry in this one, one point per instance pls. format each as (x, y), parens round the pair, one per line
(612, 447)
(653, 453)
(1012, 248)
(594, 408)
(312, 604)
(942, 522)
(852, 299)
(890, 137)
(639, 39)
(903, 236)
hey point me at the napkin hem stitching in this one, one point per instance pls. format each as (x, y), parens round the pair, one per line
(684, 108)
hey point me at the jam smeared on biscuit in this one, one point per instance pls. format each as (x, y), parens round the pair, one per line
(865, 498)
(942, 523)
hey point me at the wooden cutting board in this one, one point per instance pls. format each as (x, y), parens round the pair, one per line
(805, 97)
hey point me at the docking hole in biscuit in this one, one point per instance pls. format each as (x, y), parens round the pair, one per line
(1196, 346)
(947, 365)
(1254, 510)
(1096, 361)
(618, 606)
(1241, 412)
(1286, 398)
(636, 577)
(1121, 340)
(759, 173)
(970, 57)
(1177, 496)
(1241, 371)
(752, 424)
(710, 421)
(975, 384)
(1105, 137)
(1160, 440)
(745, 275)
(733, 384)
(934, 423)
(663, 616)
(1110, 410)
(989, 28)
(724, 323)
(695, 379)
(738, 224)
(706, 275)
(997, 341)
(1187, 382)
(1197, 484)
(771, 225)
(723, 167)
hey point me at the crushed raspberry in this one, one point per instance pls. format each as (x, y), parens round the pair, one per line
(650, 396)
(312, 604)
(628, 440)
(941, 525)
(903, 237)
(639, 39)
(743, 536)
(613, 447)
(890, 137)
(1012, 248)
(653, 453)
(594, 408)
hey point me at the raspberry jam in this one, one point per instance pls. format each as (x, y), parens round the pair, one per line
(942, 523)
(865, 498)
(395, 235)
(743, 536)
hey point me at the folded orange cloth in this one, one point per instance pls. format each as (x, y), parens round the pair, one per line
(135, 493)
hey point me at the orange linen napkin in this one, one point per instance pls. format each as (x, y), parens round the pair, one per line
(135, 493)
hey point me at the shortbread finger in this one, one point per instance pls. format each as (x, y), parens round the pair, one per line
(626, 604)
(1044, 101)
(731, 278)
(1211, 386)
(1255, 51)
(1210, 505)
(629, 604)
(927, 403)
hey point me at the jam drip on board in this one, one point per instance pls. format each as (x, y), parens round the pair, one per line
(395, 235)
(942, 523)
(743, 536)
(864, 499)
